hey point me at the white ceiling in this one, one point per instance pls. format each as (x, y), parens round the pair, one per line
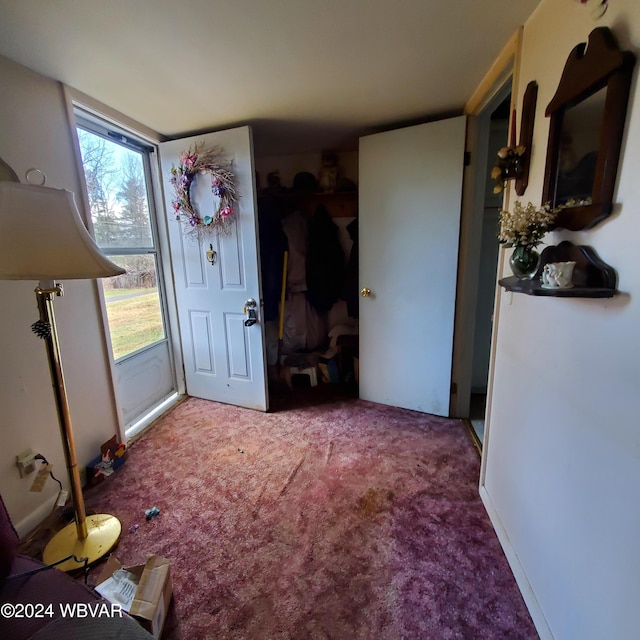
(306, 74)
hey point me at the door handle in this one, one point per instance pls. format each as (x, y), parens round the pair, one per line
(250, 309)
(365, 292)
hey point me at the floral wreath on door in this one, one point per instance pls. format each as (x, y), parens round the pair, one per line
(193, 162)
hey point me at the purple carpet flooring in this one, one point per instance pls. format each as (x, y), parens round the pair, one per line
(337, 520)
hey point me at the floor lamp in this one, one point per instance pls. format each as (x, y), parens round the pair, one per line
(42, 238)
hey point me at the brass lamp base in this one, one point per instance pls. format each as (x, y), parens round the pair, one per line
(103, 532)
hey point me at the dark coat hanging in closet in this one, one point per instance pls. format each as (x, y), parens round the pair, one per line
(325, 261)
(350, 294)
(273, 244)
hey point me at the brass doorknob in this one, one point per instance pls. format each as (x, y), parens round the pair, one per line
(365, 293)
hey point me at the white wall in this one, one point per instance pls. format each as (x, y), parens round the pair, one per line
(35, 133)
(562, 460)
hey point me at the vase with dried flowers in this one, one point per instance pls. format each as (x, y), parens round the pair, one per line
(523, 229)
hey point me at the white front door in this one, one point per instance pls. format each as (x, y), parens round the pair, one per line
(223, 359)
(410, 200)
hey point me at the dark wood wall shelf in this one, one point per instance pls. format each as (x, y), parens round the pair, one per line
(592, 278)
(534, 288)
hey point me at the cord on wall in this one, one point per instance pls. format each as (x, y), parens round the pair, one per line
(40, 457)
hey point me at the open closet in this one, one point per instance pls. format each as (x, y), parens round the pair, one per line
(383, 222)
(308, 226)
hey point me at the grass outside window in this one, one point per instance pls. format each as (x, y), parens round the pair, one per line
(135, 319)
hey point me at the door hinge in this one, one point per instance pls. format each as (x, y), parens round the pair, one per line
(454, 388)
(467, 158)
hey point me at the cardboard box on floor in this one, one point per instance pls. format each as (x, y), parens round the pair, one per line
(153, 594)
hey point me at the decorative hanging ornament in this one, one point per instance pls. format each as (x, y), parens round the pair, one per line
(193, 162)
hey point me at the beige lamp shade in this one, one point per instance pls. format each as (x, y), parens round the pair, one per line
(42, 237)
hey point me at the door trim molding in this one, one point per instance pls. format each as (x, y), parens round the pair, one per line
(76, 100)
(83, 207)
(507, 63)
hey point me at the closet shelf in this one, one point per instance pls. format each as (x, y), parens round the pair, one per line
(341, 204)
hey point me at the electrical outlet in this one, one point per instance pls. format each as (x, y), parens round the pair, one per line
(26, 462)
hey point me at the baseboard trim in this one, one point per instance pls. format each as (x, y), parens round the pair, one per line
(517, 569)
(36, 517)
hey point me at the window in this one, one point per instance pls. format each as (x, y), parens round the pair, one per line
(117, 174)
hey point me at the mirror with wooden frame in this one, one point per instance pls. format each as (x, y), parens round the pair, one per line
(587, 115)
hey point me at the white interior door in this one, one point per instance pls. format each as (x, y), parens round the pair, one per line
(410, 201)
(223, 359)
